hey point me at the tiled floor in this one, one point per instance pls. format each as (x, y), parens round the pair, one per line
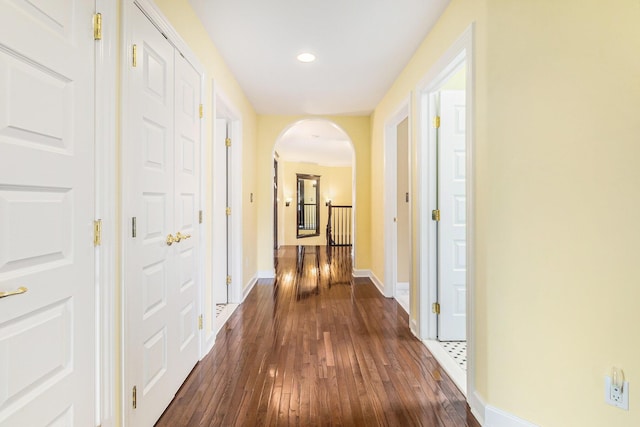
(457, 350)
(219, 309)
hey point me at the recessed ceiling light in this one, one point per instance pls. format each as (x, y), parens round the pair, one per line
(306, 57)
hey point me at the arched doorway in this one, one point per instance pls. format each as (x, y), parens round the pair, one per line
(320, 148)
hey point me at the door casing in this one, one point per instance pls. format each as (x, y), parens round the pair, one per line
(223, 108)
(391, 197)
(461, 51)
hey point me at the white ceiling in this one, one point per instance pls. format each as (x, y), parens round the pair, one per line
(315, 141)
(361, 47)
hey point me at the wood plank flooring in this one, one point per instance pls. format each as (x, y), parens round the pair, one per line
(312, 348)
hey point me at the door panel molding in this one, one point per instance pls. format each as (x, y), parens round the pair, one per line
(47, 207)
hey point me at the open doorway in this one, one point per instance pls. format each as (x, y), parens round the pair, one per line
(315, 148)
(448, 171)
(446, 212)
(226, 211)
(398, 201)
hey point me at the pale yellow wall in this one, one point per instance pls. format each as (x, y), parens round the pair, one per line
(269, 129)
(456, 18)
(557, 148)
(183, 18)
(335, 183)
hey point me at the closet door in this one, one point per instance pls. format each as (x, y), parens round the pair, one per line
(47, 198)
(150, 281)
(161, 158)
(187, 176)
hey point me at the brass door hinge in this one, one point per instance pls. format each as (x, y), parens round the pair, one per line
(97, 26)
(134, 57)
(134, 397)
(97, 232)
(200, 322)
(435, 308)
(200, 217)
(228, 211)
(201, 111)
(436, 122)
(134, 227)
(435, 214)
(227, 142)
(228, 280)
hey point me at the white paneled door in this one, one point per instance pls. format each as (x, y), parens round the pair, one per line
(187, 202)
(46, 213)
(162, 162)
(452, 224)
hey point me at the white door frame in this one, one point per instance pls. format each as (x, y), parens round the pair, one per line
(460, 51)
(390, 201)
(105, 210)
(223, 108)
(154, 14)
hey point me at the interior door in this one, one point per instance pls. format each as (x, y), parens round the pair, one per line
(161, 162)
(220, 218)
(452, 224)
(47, 198)
(187, 190)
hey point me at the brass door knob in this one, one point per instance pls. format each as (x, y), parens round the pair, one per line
(180, 236)
(171, 239)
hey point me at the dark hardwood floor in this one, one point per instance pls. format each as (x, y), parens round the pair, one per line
(311, 348)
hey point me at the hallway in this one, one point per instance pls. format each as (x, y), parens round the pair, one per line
(308, 348)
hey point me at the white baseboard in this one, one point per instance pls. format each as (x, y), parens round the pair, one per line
(378, 283)
(248, 287)
(361, 273)
(414, 327)
(402, 286)
(495, 417)
(266, 274)
(477, 406)
(209, 346)
(225, 315)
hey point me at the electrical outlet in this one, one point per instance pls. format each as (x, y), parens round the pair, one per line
(616, 395)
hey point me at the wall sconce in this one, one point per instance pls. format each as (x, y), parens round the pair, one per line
(287, 201)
